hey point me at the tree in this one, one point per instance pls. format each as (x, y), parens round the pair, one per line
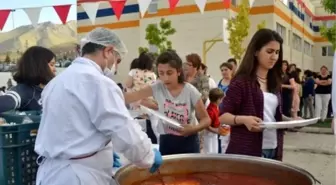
(238, 28)
(261, 25)
(329, 32)
(329, 6)
(158, 36)
(7, 59)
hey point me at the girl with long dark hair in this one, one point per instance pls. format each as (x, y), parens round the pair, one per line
(254, 96)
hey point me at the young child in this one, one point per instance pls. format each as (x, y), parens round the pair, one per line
(216, 96)
(177, 100)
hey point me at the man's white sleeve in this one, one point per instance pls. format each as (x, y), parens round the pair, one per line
(110, 116)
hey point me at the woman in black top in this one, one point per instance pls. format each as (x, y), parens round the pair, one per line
(35, 69)
(322, 93)
(288, 84)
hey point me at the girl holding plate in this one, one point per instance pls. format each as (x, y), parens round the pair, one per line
(254, 97)
(177, 100)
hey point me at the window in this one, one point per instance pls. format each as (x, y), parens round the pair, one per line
(234, 2)
(153, 7)
(308, 19)
(281, 30)
(328, 24)
(297, 42)
(307, 48)
(327, 51)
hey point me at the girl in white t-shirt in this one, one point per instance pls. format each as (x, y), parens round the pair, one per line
(177, 100)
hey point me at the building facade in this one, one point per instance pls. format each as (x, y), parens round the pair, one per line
(196, 32)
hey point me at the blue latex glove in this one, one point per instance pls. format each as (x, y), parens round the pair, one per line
(157, 161)
(116, 160)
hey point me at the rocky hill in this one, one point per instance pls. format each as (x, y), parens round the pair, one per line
(55, 36)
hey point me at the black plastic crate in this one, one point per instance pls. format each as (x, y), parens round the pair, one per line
(17, 156)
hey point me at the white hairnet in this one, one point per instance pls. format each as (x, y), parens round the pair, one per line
(105, 37)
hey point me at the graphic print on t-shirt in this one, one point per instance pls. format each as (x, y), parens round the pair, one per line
(176, 111)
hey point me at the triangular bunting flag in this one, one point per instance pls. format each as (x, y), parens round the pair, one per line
(201, 5)
(226, 33)
(62, 12)
(227, 3)
(143, 6)
(172, 4)
(91, 10)
(251, 3)
(33, 14)
(118, 7)
(3, 17)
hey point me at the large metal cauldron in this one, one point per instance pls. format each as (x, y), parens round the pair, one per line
(281, 173)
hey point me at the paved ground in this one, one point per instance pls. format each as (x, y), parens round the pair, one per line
(314, 153)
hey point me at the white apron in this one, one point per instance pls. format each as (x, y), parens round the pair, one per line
(94, 170)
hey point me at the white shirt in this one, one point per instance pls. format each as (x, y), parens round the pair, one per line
(82, 111)
(270, 135)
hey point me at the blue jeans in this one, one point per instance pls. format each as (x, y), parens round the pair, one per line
(269, 153)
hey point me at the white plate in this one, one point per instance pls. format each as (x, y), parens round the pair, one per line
(166, 120)
(289, 124)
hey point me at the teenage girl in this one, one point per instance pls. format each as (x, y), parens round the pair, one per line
(177, 100)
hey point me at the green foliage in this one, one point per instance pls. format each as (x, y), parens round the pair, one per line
(329, 33)
(329, 5)
(7, 59)
(238, 28)
(158, 36)
(261, 25)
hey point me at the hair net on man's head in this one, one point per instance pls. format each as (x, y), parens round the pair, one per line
(105, 37)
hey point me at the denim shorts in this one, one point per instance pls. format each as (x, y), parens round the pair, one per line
(269, 153)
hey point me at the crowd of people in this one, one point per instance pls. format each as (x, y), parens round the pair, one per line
(307, 95)
(86, 114)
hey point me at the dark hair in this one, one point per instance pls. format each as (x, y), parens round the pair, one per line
(171, 57)
(232, 60)
(296, 76)
(33, 66)
(215, 94)
(134, 64)
(290, 66)
(90, 48)
(286, 62)
(203, 66)
(3, 88)
(308, 73)
(248, 68)
(227, 65)
(195, 60)
(146, 61)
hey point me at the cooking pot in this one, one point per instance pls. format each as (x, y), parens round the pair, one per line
(279, 172)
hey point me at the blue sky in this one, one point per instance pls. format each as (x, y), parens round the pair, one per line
(47, 14)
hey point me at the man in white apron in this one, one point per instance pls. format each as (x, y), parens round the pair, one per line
(85, 118)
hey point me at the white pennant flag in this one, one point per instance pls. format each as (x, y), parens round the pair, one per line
(251, 3)
(33, 15)
(226, 33)
(201, 5)
(91, 10)
(143, 6)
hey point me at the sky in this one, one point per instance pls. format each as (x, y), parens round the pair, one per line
(47, 14)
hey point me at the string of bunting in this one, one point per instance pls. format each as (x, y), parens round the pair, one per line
(91, 6)
(34, 14)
